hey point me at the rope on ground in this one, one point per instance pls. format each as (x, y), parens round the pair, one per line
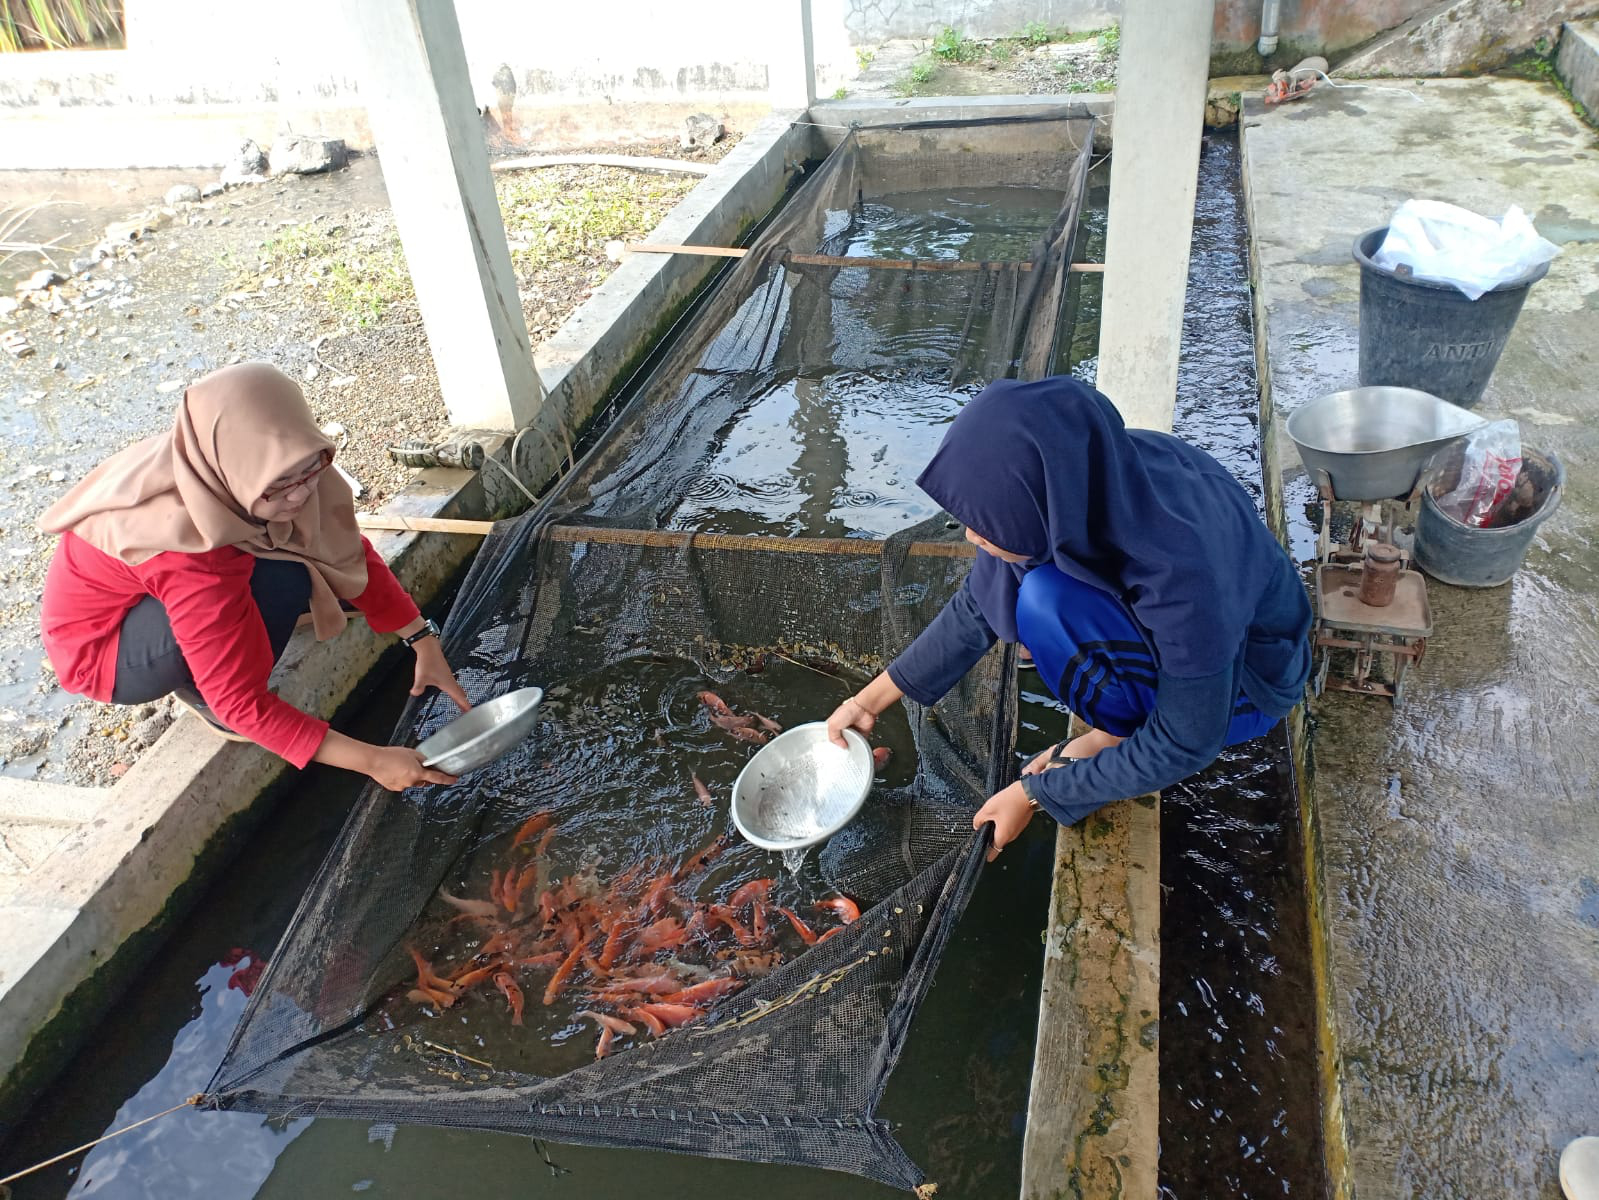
(1375, 87)
(193, 1101)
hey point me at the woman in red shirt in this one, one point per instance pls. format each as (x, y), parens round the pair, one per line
(186, 560)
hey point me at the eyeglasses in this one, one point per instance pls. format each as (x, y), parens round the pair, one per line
(283, 489)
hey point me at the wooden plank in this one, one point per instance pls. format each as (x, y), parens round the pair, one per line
(1092, 1115)
(833, 260)
(677, 538)
(423, 524)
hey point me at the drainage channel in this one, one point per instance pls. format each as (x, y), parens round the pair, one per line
(1238, 1095)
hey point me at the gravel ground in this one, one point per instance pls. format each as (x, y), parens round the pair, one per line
(305, 272)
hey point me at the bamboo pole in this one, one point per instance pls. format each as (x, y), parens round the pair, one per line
(423, 524)
(669, 538)
(832, 260)
(677, 538)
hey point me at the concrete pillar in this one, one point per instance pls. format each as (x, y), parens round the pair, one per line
(429, 137)
(791, 75)
(1160, 111)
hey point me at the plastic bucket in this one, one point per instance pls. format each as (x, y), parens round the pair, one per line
(1424, 335)
(1469, 557)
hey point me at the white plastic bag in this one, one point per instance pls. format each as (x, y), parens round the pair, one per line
(1446, 244)
(1488, 472)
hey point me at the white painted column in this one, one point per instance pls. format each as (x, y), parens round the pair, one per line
(791, 75)
(1160, 116)
(429, 137)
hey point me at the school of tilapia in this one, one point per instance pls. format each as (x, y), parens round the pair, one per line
(641, 950)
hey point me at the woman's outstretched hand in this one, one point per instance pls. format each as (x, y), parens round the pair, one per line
(1010, 810)
(433, 671)
(851, 714)
(400, 767)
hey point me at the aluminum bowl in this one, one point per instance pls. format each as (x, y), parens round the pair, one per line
(800, 788)
(476, 738)
(1372, 442)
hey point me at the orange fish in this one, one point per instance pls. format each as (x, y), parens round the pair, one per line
(650, 1021)
(533, 826)
(800, 927)
(752, 890)
(716, 704)
(846, 908)
(513, 995)
(558, 980)
(703, 993)
(880, 757)
(703, 792)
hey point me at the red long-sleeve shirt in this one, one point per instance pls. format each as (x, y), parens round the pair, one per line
(87, 592)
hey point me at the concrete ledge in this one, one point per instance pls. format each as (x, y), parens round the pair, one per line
(1577, 61)
(834, 117)
(1093, 1109)
(63, 139)
(37, 817)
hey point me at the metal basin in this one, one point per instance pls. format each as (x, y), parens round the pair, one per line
(478, 737)
(1370, 443)
(800, 789)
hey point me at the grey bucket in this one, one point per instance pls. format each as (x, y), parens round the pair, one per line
(1470, 557)
(1419, 334)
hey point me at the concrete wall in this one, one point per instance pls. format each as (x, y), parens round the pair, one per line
(187, 55)
(180, 53)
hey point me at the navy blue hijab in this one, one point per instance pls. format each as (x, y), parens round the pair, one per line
(1047, 469)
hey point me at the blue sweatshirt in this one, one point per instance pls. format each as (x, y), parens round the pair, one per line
(1183, 735)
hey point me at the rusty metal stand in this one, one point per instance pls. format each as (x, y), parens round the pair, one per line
(1399, 629)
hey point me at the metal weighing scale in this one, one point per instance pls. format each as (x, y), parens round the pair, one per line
(1367, 447)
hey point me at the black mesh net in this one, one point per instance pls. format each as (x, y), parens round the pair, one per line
(572, 942)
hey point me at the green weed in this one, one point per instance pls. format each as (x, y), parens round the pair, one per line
(863, 57)
(950, 46)
(1036, 33)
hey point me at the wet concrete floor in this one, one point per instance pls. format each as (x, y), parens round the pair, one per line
(1457, 836)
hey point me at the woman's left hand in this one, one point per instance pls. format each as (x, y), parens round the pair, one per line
(1010, 810)
(433, 671)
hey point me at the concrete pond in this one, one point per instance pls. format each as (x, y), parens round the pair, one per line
(1451, 843)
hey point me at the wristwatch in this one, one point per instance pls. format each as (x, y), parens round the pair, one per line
(429, 628)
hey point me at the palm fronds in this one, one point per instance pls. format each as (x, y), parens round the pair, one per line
(59, 24)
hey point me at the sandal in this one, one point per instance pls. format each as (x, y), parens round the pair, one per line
(195, 705)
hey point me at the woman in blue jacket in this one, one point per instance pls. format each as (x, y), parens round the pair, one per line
(1156, 604)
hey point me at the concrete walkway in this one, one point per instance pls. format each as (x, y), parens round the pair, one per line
(1454, 841)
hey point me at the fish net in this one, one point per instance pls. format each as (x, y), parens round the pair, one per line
(572, 942)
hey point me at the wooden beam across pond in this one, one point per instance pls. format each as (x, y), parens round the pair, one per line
(834, 260)
(668, 538)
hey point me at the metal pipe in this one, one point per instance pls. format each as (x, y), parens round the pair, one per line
(1268, 27)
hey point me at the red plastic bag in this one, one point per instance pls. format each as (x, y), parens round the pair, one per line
(1488, 471)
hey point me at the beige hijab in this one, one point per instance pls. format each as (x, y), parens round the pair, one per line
(237, 431)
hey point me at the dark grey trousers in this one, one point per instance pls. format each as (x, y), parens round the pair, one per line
(149, 662)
